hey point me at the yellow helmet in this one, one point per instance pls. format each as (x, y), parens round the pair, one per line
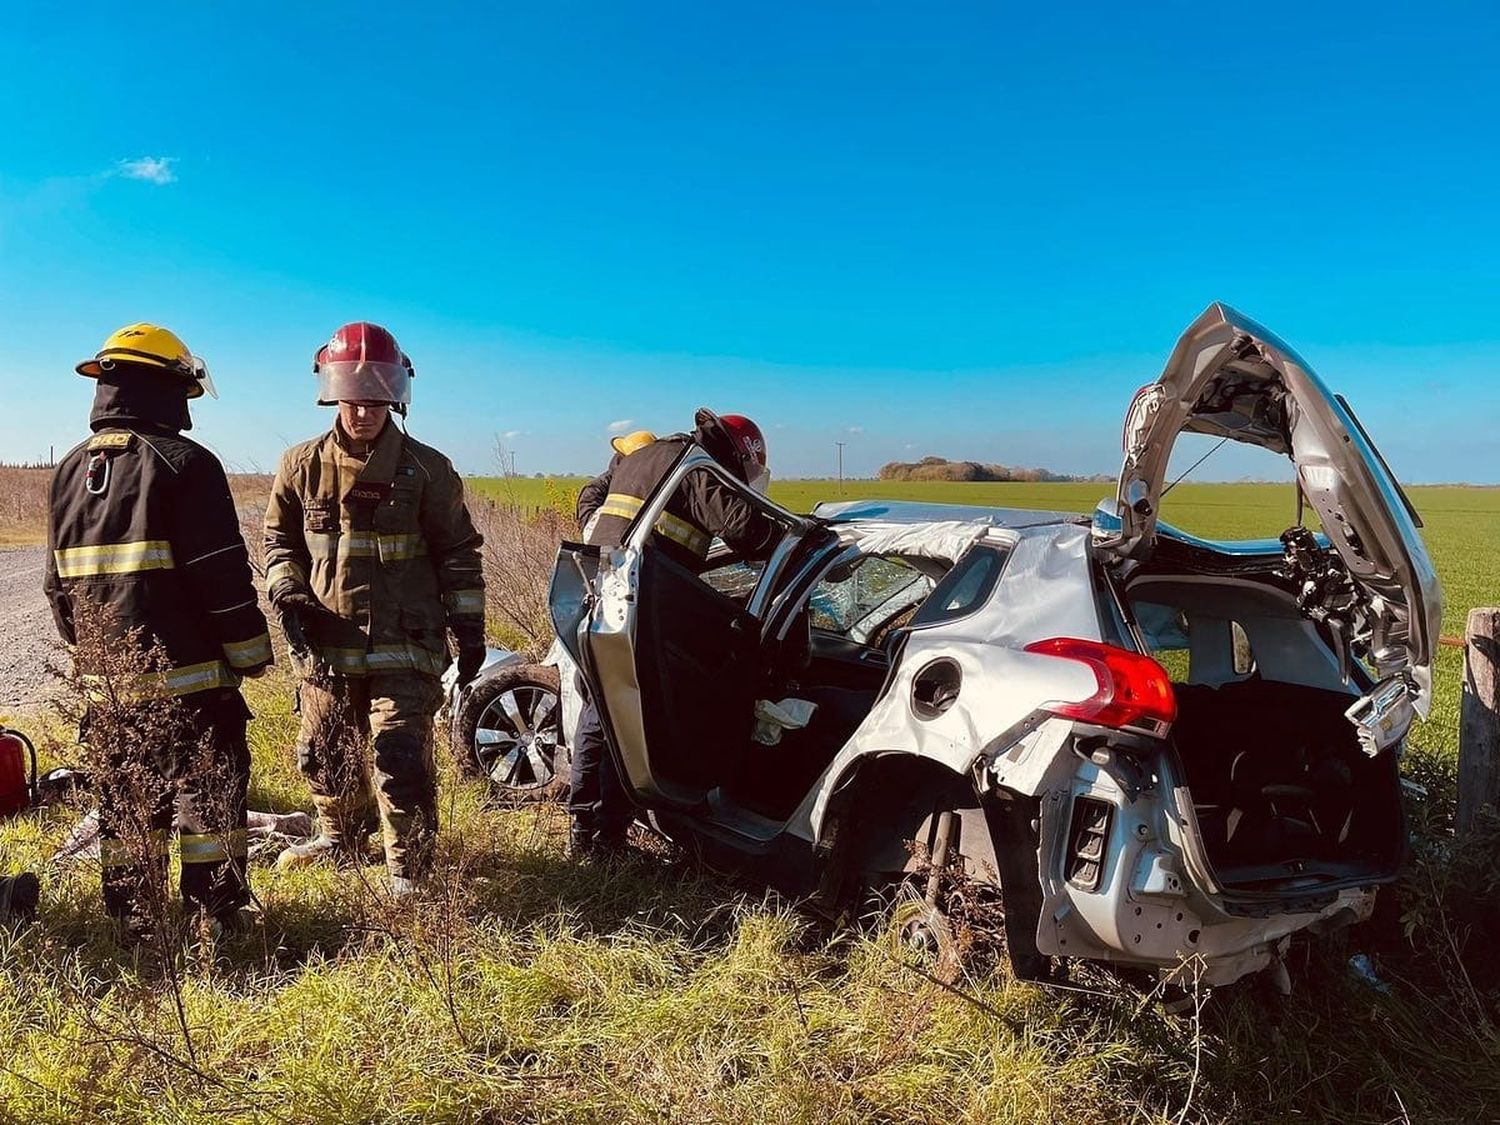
(626, 444)
(151, 346)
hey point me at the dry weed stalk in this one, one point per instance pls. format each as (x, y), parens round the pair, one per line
(430, 928)
(139, 752)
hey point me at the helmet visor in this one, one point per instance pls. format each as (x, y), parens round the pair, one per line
(205, 380)
(363, 381)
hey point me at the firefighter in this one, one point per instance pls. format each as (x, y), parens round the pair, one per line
(145, 537)
(702, 509)
(371, 558)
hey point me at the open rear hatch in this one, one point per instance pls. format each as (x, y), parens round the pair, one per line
(1376, 589)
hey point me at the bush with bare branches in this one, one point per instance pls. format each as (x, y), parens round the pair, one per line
(519, 550)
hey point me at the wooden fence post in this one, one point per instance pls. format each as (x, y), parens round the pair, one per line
(1479, 720)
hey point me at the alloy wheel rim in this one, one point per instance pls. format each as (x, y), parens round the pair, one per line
(515, 739)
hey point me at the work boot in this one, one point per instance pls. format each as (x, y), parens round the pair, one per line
(405, 886)
(611, 843)
(320, 849)
(134, 930)
(19, 896)
(233, 923)
(581, 847)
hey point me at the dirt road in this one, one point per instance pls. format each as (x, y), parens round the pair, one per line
(28, 639)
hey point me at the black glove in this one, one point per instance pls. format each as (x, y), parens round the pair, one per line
(470, 660)
(288, 592)
(289, 610)
(295, 606)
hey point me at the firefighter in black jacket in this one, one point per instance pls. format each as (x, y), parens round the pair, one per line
(703, 508)
(144, 535)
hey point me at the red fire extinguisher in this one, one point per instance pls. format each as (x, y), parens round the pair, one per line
(17, 785)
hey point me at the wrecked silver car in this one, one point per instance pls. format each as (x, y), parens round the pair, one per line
(906, 686)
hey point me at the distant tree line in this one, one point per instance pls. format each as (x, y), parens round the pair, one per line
(940, 468)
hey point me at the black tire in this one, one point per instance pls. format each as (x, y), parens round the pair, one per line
(493, 735)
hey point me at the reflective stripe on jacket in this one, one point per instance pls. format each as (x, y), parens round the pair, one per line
(142, 522)
(702, 508)
(385, 544)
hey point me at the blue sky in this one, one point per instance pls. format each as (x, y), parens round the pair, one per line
(963, 230)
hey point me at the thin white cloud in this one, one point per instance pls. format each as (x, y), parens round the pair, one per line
(511, 435)
(855, 430)
(153, 169)
(620, 426)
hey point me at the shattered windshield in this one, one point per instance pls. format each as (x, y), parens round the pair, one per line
(849, 594)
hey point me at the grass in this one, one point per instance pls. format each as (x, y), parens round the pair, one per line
(652, 990)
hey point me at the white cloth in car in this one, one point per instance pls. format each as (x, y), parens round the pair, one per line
(771, 719)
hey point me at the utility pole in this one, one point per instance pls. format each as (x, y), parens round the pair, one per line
(841, 444)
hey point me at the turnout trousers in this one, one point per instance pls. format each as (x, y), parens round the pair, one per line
(180, 764)
(601, 808)
(365, 747)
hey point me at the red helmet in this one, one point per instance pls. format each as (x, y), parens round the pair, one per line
(363, 363)
(746, 445)
(747, 438)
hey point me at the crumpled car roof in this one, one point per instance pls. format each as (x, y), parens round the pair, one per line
(913, 512)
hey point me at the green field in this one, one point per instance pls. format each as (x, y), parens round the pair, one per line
(531, 989)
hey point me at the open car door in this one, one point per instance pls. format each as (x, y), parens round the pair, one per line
(673, 661)
(1229, 377)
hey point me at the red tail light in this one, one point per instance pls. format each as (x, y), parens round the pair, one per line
(1134, 690)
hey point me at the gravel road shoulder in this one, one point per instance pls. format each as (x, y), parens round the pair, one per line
(28, 638)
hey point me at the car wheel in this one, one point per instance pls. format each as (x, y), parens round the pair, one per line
(509, 729)
(913, 910)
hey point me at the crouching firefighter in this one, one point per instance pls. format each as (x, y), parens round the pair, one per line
(702, 509)
(371, 559)
(150, 583)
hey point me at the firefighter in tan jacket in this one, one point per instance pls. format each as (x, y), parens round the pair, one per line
(371, 559)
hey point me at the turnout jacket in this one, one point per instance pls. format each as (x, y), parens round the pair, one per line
(143, 523)
(385, 544)
(702, 508)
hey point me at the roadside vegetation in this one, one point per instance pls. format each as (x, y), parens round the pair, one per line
(23, 505)
(527, 988)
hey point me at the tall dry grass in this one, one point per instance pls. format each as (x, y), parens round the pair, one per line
(519, 550)
(24, 500)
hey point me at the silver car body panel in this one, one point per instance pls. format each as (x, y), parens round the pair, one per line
(1231, 378)
(915, 512)
(1158, 904)
(1045, 591)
